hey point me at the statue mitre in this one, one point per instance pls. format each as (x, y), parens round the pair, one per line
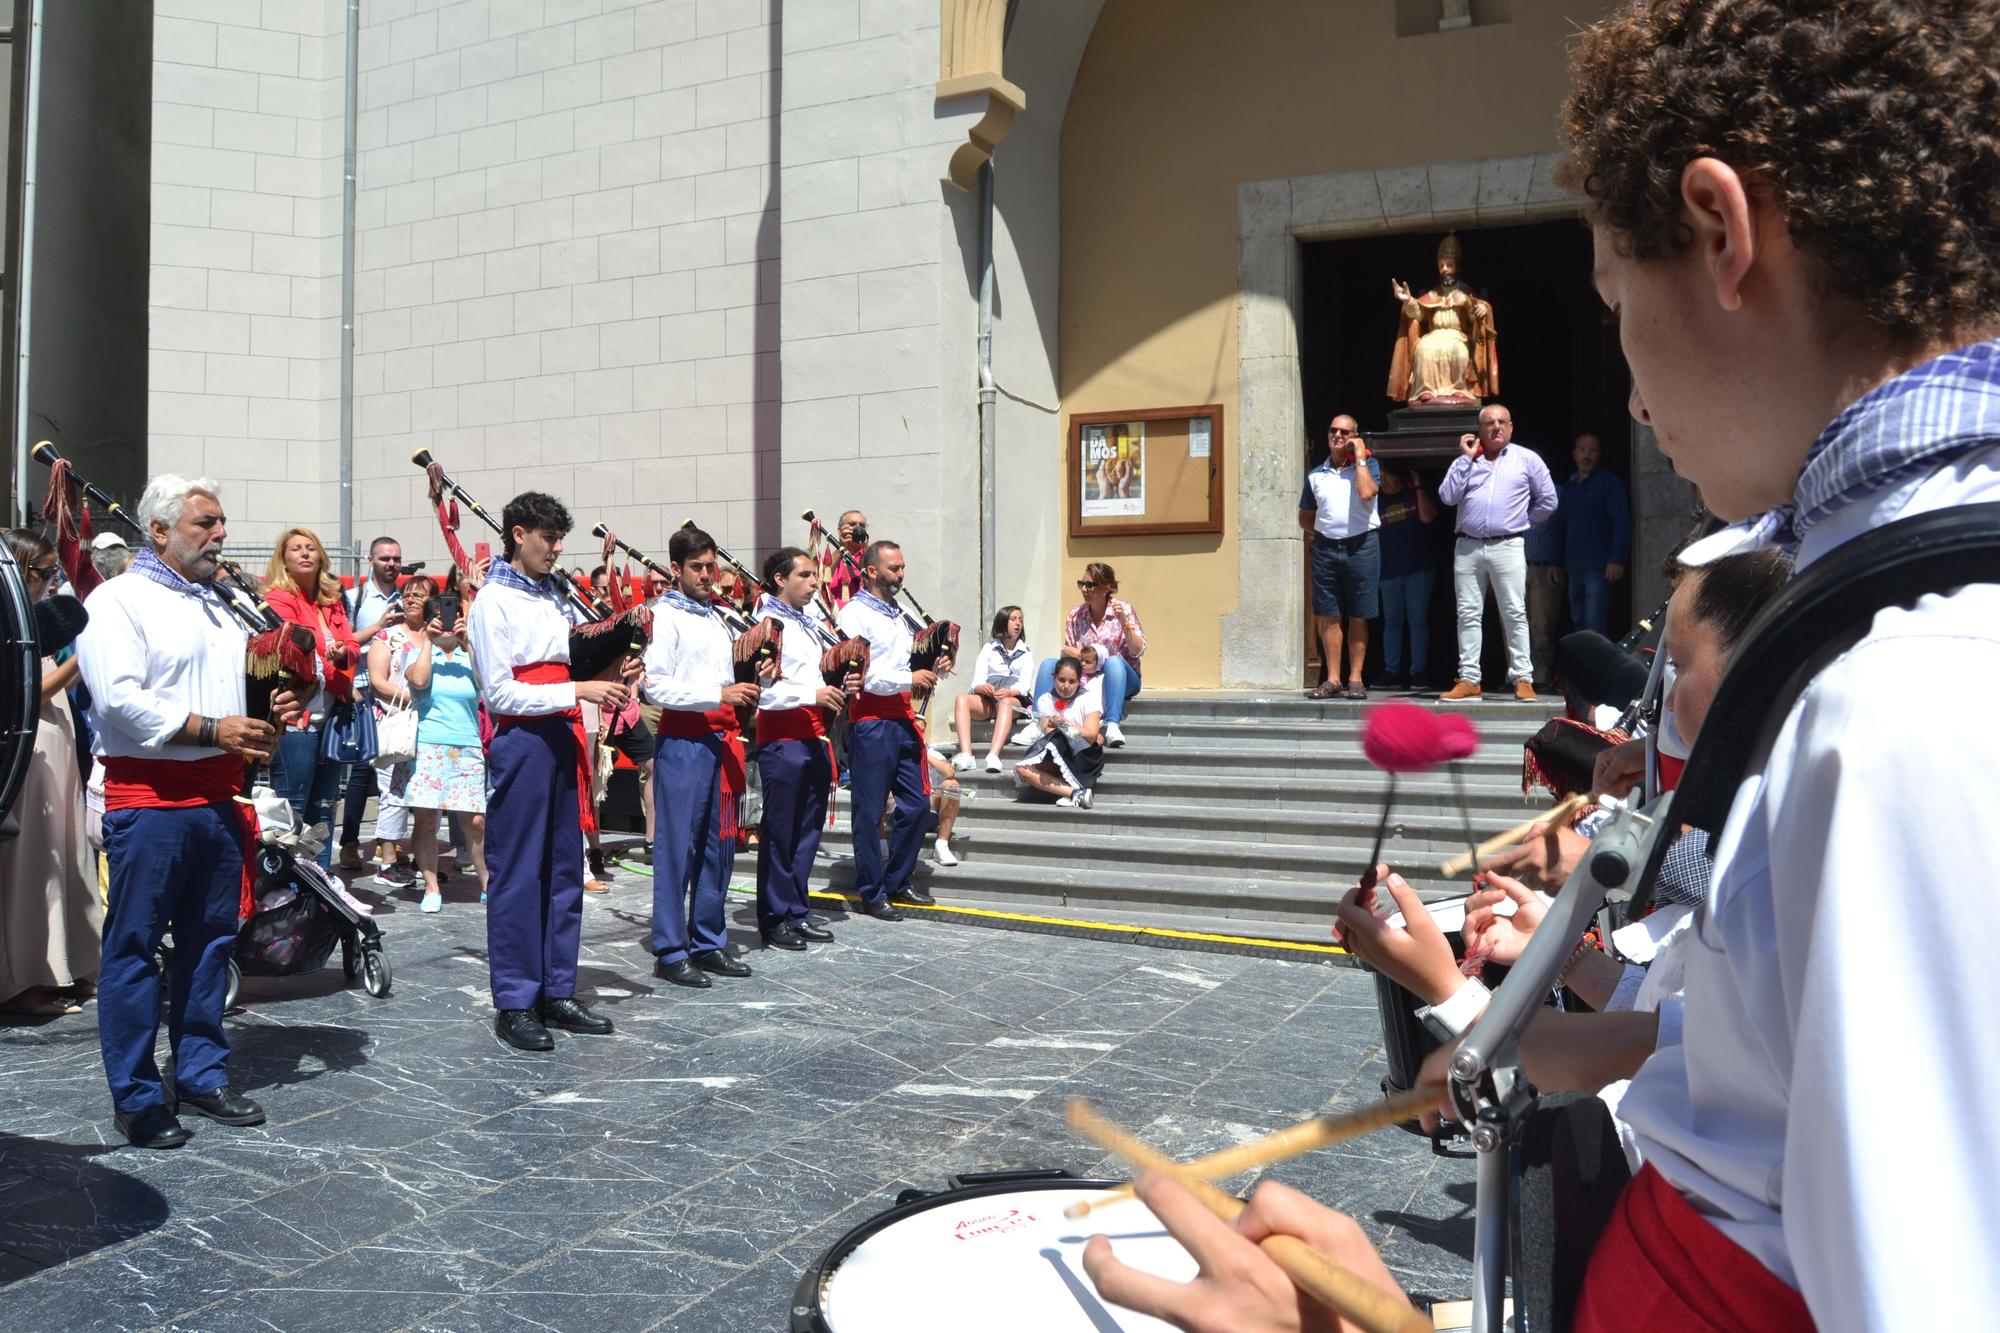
(1450, 248)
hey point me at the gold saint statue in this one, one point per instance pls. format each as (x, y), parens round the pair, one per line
(1446, 351)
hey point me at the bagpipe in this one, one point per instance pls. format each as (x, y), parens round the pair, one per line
(933, 643)
(604, 636)
(759, 641)
(279, 654)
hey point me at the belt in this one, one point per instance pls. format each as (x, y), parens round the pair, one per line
(1497, 537)
(1349, 542)
(1544, 564)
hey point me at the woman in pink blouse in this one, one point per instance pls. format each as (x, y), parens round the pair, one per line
(1107, 620)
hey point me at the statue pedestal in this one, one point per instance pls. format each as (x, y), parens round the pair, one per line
(1425, 435)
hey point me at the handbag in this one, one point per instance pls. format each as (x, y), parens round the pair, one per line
(349, 735)
(396, 732)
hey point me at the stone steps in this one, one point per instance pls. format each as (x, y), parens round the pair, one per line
(1242, 812)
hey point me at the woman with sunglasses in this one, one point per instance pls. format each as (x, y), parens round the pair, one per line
(51, 918)
(1107, 620)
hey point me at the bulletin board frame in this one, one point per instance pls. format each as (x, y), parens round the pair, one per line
(1179, 494)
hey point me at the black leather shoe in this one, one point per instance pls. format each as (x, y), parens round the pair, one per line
(153, 1127)
(784, 937)
(913, 897)
(520, 1029)
(682, 973)
(225, 1106)
(882, 911)
(571, 1016)
(721, 964)
(810, 929)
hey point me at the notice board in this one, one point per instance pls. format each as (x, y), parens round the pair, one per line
(1145, 472)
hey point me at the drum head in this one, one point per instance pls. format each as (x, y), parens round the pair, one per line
(986, 1259)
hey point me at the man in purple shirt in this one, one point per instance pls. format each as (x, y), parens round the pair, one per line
(1500, 492)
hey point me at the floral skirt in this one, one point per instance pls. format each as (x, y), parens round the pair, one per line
(445, 777)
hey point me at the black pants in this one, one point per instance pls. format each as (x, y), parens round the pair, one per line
(1571, 1173)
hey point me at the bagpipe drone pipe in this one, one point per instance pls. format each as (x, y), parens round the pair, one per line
(933, 642)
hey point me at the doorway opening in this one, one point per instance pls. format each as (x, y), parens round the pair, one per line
(1561, 375)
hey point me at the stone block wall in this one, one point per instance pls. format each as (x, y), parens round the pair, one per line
(567, 271)
(244, 306)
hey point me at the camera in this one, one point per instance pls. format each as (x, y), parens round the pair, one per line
(858, 534)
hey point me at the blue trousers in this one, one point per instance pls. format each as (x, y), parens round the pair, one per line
(1589, 599)
(308, 783)
(691, 860)
(534, 860)
(1121, 682)
(796, 776)
(887, 756)
(1406, 606)
(178, 868)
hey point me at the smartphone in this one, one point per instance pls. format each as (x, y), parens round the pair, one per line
(444, 609)
(482, 551)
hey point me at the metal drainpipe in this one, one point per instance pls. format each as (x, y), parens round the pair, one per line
(23, 312)
(347, 280)
(988, 403)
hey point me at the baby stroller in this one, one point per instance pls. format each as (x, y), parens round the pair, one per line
(299, 911)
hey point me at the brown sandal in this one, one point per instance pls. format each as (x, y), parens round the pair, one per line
(1327, 689)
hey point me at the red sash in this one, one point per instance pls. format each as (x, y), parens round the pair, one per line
(185, 784)
(1662, 1265)
(723, 722)
(557, 673)
(867, 707)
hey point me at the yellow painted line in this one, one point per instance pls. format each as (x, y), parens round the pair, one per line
(1069, 923)
(1108, 927)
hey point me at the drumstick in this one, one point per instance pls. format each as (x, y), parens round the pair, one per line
(1307, 1136)
(1339, 1289)
(1564, 809)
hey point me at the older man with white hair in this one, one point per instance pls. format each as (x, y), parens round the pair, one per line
(164, 658)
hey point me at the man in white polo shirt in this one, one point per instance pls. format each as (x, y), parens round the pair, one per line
(1337, 509)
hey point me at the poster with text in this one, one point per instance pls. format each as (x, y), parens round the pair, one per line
(1114, 469)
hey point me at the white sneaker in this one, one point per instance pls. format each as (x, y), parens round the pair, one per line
(944, 854)
(1113, 737)
(963, 762)
(1025, 736)
(1066, 802)
(993, 763)
(1083, 798)
(433, 902)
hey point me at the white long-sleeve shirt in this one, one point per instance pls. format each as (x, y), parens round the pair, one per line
(151, 655)
(889, 642)
(689, 662)
(511, 628)
(1829, 1106)
(799, 682)
(1004, 669)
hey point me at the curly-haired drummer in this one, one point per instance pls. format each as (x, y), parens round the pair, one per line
(1796, 213)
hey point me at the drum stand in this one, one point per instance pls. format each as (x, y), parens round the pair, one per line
(1488, 1085)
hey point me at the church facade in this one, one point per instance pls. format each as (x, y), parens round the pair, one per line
(725, 260)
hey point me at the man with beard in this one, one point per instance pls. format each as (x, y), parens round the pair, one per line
(164, 659)
(885, 748)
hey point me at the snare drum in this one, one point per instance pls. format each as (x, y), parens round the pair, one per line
(988, 1254)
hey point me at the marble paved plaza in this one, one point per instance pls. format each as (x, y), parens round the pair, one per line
(415, 1174)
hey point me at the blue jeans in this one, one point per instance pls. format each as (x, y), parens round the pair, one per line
(1406, 604)
(1589, 600)
(308, 783)
(1121, 682)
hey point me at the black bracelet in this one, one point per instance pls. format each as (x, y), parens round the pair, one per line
(208, 732)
